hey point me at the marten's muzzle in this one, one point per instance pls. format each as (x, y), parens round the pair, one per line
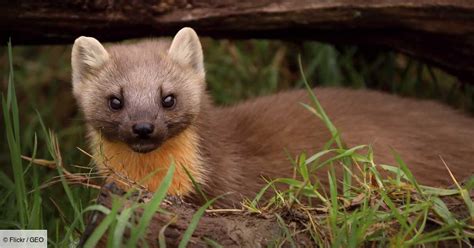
(143, 136)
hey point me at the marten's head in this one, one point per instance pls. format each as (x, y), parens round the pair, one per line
(140, 94)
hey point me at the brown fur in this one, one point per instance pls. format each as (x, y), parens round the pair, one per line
(248, 141)
(231, 149)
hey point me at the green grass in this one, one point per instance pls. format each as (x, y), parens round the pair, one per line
(36, 82)
(23, 204)
(12, 126)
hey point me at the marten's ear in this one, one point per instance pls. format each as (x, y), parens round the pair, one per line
(186, 49)
(87, 55)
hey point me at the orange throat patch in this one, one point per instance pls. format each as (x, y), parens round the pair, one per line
(148, 169)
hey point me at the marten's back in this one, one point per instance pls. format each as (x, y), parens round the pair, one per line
(260, 131)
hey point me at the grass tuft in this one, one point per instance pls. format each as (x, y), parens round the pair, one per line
(12, 131)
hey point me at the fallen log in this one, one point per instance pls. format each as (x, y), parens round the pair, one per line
(440, 32)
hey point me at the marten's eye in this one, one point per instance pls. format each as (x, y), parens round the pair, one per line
(115, 103)
(168, 101)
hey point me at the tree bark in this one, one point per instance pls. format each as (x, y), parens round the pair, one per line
(438, 31)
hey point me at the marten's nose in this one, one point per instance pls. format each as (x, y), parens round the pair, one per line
(143, 130)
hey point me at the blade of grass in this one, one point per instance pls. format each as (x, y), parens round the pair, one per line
(12, 130)
(212, 243)
(104, 225)
(34, 219)
(195, 184)
(6, 182)
(122, 222)
(161, 235)
(334, 205)
(408, 173)
(463, 192)
(194, 222)
(319, 108)
(394, 210)
(152, 207)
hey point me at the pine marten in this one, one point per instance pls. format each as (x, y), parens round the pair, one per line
(146, 105)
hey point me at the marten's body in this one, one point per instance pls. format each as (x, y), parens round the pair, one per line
(231, 149)
(244, 143)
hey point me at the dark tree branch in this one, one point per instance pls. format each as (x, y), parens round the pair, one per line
(438, 31)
